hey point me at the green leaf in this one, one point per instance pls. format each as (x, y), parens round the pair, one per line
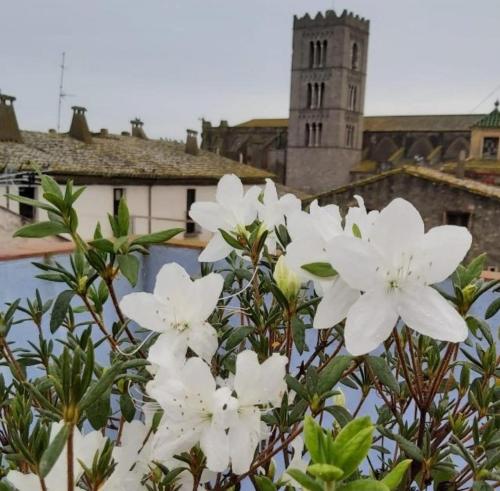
(127, 407)
(493, 308)
(394, 478)
(313, 435)
(231, 240)
(352, 445)
(98, 412)
(237, 336)
(60, 309)
(103, 384)
(104, 245)
(123, 217)
(299, 334)
(409, 448)
(356, 231)
(296, 386)
(382, 371)
(32, 202)
(332, 373)
(49, 185)
(364, 485)
(263, 483)
(53, 451)
(341, 415)
(326, 472)
(157, 237)
(323, 270)
(129, 266)
(304, 480)
(41, 229)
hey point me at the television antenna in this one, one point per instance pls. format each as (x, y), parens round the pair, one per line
(62, 94)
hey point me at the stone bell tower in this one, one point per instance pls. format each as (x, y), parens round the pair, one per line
(325, 126)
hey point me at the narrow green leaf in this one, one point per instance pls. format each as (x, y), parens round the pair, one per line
(41, 229)
(237, 336)
(364, 485)
(104, 245)
(127, 407)
(356, 231)
(323, 270)
(493, 308)
(49, 185)
(326, 472)
(409, 448)
(394, 478)
(299, 334)
(263, 483)
(60, 309)
(313, 434)
(103, 384)
(98, 412)
(304, 480)
(332, 373)
(382, 371)
(231, 240)
(123, 217)
(157, 237)
(129, 266)
(32, 202)
(53, 451)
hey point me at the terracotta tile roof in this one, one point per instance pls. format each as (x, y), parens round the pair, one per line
(469, 185)
(491, 120)
(120, 156)
(434, 122)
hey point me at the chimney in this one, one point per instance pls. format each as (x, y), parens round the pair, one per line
(460, 171)
(137, 129)
(192, 143)
(9, 129)
(79, 128)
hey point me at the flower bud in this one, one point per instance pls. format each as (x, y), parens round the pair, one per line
(286, 279)
(339, 399)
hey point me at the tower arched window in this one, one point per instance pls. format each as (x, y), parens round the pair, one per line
(315, 96)
(311, 54)
(318, 54)
(321, 94)
(308, 135)
(319, 132)
(323, 53)
(355, 56)
(312, 141)
(309, 96)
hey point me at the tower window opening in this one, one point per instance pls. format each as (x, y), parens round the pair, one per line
(311, 54)
(355, 57)
(319, 133)
(309, 96)
(490, 148)
(323, 53)
(349, 136)
(308, 134)
(318, 54)
(352, 97)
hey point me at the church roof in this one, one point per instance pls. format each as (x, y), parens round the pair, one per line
(491, 120)
(432, 122)
(119, 156)
(469, 185)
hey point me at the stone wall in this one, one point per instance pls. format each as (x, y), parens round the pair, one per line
(433, 200)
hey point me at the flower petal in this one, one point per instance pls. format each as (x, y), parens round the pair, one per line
(356, 261)
(426, 311)
(398, 228)
(306, 251)
(369, 322)
(174, 287)
(243, 439)
(270, 193)
(207, 291)
(216, 249)
(300, 225)
(169, 350)
(335, 304)
(247, 370)
(229, 190)
(207, 214)
(142, 308)
(440, 252)
(24, 482)
(202, 339)
(197, 377)
(215, 445)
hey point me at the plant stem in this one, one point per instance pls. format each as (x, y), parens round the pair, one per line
(70, 459)
(99, 322)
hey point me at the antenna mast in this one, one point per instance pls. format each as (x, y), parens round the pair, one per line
(62, 94)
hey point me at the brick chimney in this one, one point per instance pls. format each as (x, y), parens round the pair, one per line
(9, 129)
(192, 143)
(137, 129)
(79, 128)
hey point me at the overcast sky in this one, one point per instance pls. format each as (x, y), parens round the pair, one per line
(170, 62)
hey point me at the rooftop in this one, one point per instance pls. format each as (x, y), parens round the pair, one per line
(491, 120)
(119, 156)
(469, 185)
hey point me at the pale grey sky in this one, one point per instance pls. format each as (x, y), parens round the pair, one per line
(172, 61)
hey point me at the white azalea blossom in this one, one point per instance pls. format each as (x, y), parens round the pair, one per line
(395, 269)
(196, 412)
(256, 385)
(233, 210)
(178, 309)
(84, 449)
(273, 210)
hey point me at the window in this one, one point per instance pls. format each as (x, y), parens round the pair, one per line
(352, 97)
(349, 136)
(319, 134)
(190, 199)
(309, 96)
(461, 218)
(311, 54)
(318, 54)
(27, 211)
(118, 193)
(323, 53)
(490, 148)
(321, 94)
(355, 57)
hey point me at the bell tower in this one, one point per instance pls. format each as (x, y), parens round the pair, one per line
(327, 95)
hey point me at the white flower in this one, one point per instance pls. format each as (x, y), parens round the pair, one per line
(256, 385)
(178, 308)
(297, 462)
(195, 412)
(232, 212)
(311, 233)
(359, 217)
(394, 270)
(132, 458)
(273, 210)
(84, 449)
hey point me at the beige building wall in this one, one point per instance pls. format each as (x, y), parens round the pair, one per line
(477, 138)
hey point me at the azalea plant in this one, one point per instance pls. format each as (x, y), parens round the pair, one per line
(316, 348)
